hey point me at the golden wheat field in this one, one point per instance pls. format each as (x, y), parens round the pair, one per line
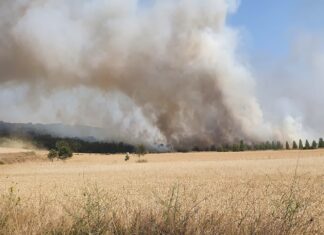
(271, 192)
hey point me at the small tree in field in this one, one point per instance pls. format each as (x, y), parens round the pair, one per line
(52, 154)
(321, 143)
(127, 157)
(295, 145)
(64, 150)
(140, 151)
(307, 145)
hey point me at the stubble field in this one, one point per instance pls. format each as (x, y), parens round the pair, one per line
(272, 192)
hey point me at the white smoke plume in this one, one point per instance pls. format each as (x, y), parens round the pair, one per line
(292, 88)
(147, 71)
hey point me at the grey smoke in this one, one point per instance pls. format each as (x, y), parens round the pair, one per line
(163, 73)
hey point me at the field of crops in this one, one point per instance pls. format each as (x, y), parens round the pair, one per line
(272, 192)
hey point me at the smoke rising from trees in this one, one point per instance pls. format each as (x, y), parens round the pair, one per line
(166, 72)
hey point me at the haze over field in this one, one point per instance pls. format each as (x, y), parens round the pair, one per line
(151, 71)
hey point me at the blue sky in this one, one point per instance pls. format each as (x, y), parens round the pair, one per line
(271, 25)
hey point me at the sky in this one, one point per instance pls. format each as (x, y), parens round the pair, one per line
(270, 26)
(284, 41)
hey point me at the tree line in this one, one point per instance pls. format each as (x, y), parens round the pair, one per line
(83, 146)
(267, 145)
(77, 145)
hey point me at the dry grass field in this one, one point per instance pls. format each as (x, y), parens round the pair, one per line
(272, 192)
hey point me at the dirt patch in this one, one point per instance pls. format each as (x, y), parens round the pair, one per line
(12, 158)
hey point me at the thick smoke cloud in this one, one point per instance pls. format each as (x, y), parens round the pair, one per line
(169, 68)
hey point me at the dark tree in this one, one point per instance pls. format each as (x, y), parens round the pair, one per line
(279, 145)
(321, 143)
(314, 145)
(301, 146)
(295, 145)
(235, 148)
(226, 148)
(52, 154)
(273, 145)
(64, 150)
(196, 149)
(307, 145)
(213, 148)
(287, 145)
(242, 146)
(140, 151)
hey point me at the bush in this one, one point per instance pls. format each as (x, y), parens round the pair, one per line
(127, 157)
(62, 151)
(52, 154)
(140, 151)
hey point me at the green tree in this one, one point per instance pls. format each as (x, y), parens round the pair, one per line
(287, 145)
(295, 145)
(140, 150)
(301, 146)
(279, 145)
(307, 145)
(321, 143)
(64, 150)
(226, 148)
(52, 154)
(314, 145)
(242, 146)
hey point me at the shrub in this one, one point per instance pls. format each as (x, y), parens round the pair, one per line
(140, 151)
(52, 154)
(127, 157)
(62, 151)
